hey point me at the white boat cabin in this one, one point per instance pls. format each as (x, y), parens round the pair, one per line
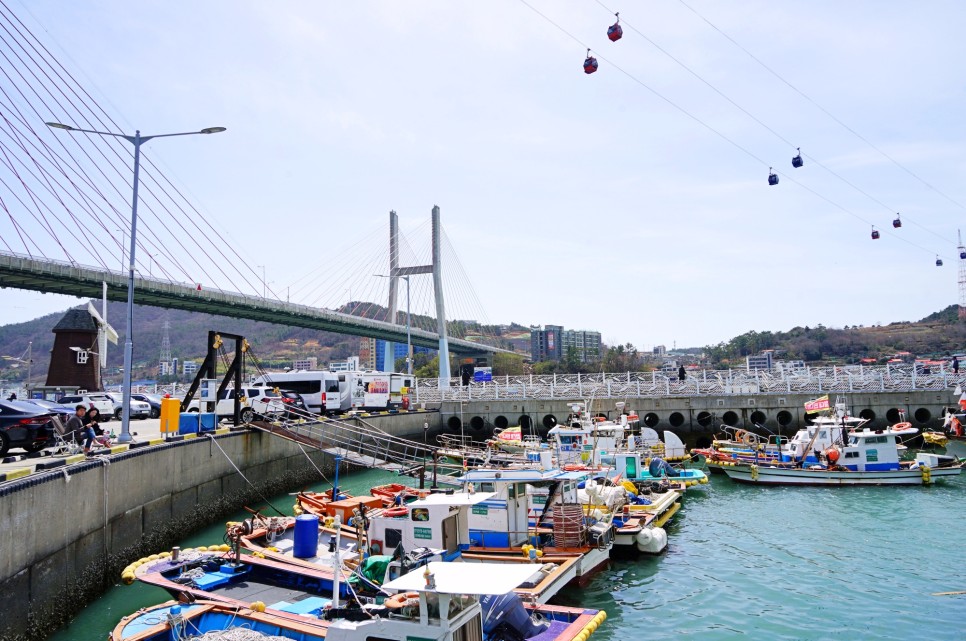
(439, 521)
(873, 450)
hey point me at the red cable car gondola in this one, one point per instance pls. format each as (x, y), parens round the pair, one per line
(875, 234)
(590, 64)
(615, 32)
(897, 223)
(772, 177)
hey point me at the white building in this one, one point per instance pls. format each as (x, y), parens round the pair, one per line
(306, 363)
(761, 361)
(350, 364)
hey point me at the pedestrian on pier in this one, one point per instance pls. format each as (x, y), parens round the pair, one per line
(955, 365)
(75, 425)
(682, 374)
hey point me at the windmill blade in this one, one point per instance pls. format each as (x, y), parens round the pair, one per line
(109, 332)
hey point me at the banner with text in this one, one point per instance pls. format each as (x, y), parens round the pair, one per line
(817, 405)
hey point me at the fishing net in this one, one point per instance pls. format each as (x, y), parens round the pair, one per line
(236, 634)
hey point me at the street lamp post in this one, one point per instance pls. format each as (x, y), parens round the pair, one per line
(137, 140)
(409, 338)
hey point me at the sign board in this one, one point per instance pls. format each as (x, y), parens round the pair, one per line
(422, 532)
(481, 509)
(482, 374)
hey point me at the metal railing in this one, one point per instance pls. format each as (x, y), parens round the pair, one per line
(810, 380)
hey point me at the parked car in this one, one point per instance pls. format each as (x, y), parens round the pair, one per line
(139, 409)
(100, 400)
(272, 403)
(24, 426)
(50, 406)
(151, 399)
(225, 408)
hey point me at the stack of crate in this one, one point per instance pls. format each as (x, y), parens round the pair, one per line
(568, 526)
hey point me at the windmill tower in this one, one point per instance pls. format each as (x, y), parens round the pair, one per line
(165, 368)
(962, 277)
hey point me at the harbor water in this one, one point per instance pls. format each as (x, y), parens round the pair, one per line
(744, 562)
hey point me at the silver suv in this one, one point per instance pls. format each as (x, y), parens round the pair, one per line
(139, 409)
(100, 400)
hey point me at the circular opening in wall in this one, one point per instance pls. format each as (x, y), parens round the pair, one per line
(893, 415)
(651, 419)
(704, 419)
(477, 423)
(922, 415)
(758, 417)
(454, 423)
(525, 423)
(549, 421)
(703, 441)
(676, 419)
(501, 422)
(730, 418)
(784, 418)
(867, 414)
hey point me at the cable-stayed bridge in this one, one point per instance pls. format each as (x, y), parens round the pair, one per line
(65, 219)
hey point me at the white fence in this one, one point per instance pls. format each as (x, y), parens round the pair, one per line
(812, 380)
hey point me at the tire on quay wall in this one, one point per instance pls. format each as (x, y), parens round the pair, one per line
(704, 419)
(549, 421)
(651, 419)
(454, 423)
(501, 422)
(893, 415)
(922, 415)
(730, 418)
(867, 414)
(676, 419)
(477, 423)
(784, 418)
(758, 417)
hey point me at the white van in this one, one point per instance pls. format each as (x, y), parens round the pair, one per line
(378, 390)
(318, 388)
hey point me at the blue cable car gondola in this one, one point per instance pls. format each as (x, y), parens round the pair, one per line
(797, 160)
(939, 261)
(875, 233)
(962, 254)
(897, 223)
(772, 177)
(615, 32)
(590, 64)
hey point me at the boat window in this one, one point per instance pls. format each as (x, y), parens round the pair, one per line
(393, 538)
(420, 514)
(823, 434)
(851, 455)
(486, 487)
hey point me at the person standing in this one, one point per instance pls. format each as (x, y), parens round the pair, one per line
(75, 424)
(955, 365)
(682, 374)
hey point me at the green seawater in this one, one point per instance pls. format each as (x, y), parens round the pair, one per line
(744, 563)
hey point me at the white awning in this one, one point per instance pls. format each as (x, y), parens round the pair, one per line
(456, 498)
(466, 578)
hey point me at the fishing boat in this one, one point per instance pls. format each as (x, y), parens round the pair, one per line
(513, 440)
(953, 435)
(443, 602)
(871, 457)
(538, 507)
(173, 620)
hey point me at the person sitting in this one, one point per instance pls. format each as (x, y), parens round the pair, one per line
(75, 426)
(92, 420)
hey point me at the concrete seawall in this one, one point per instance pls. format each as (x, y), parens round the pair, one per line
(68, 532)
(691, 417)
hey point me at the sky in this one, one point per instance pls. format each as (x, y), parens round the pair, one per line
(633, 201)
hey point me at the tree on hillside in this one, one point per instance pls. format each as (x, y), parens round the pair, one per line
(508, 364)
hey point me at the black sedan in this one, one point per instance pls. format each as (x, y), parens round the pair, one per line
(294, 404)
(24, 425)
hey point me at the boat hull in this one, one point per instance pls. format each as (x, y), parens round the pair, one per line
(797, 476)
(956, 446)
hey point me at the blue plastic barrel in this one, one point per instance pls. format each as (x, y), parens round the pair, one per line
(306, 536)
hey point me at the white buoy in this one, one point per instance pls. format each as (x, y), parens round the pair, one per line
(651, 540)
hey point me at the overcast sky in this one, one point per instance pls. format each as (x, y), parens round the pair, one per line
(584, 201)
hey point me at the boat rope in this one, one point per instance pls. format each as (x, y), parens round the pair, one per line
(312, 462)
(257, 491)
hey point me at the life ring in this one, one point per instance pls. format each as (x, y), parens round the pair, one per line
(400, 599)
(396, 511)
(902, 426)
(740, 436)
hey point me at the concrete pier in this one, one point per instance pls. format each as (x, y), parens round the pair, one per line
(692, 417)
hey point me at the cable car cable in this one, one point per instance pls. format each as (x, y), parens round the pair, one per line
(706, 125)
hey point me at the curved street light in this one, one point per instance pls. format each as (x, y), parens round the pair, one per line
(137, 140)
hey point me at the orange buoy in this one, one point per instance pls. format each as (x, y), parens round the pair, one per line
(832, 455)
